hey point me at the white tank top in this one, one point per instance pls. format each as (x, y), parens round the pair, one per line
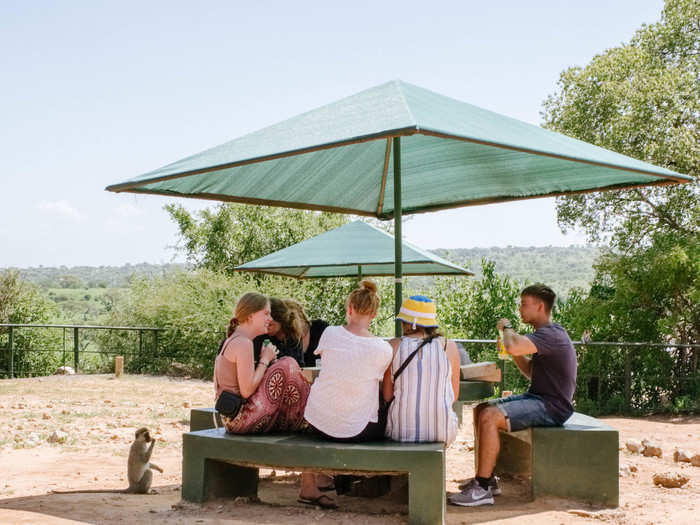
(423, 396)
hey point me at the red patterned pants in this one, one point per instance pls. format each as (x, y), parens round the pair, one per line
(278, 403)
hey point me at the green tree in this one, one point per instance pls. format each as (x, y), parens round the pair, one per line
(641, 99)
(23, 303)
(470, 308)
(232, 234)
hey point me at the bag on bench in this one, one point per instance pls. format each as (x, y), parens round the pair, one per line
(229, 404)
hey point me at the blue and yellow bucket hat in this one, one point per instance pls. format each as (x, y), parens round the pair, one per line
(418, 310)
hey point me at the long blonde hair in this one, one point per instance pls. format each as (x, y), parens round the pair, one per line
(364, 299)
(247, 305)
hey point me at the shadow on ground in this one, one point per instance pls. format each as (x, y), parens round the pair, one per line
(278, 504)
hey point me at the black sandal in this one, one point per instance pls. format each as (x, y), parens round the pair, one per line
(322, 501)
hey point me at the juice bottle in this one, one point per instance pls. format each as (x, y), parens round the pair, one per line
(502, 354)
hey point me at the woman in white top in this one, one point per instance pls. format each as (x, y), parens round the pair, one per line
(426, 388)
(343, 404)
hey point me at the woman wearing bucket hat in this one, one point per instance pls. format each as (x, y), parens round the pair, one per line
(423, 379)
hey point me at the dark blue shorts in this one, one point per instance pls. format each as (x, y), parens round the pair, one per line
(524, 411)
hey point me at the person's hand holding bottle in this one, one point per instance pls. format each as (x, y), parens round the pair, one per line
(501, 325)
(268, 353)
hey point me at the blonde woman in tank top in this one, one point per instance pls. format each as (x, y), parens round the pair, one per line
(426, 388)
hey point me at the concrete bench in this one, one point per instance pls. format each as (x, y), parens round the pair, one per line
(216, 464)
(470, 391)
(578, 460)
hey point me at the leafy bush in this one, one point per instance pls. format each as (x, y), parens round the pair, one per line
(35, 351)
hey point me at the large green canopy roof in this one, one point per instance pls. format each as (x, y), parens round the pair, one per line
(349, 250)
(339, 158)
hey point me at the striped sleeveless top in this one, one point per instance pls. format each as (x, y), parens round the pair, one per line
(423, 396)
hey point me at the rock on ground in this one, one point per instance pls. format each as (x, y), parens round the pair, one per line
(670, 480)
(634, 446)
(681, 456)
(651, 449)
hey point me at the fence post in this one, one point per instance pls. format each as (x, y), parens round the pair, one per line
(76, 349)
(628, 379)
(12, 355)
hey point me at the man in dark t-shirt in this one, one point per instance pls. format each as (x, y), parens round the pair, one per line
(546, 357)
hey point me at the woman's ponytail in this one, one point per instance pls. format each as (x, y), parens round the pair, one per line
(231, 326)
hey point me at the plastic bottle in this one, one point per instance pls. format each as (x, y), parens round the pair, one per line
(502, 353)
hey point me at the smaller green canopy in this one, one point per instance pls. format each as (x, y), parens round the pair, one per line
(356, 248)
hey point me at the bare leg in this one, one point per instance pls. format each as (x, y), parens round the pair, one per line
(308, 486)
(476, 413)
(491, 420)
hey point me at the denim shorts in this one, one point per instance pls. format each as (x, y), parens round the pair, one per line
(524, 411)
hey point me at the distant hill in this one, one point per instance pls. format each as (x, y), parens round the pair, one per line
(562, 268)
(93, 276)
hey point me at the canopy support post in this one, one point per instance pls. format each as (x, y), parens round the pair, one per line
(398, 272)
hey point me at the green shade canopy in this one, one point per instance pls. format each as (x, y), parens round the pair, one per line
(340, 158)
(356, 248)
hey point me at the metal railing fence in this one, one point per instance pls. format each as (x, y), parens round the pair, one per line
(613, 377)
(618, 377)
(24, 353)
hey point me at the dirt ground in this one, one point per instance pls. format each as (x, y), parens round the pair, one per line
(99, 414)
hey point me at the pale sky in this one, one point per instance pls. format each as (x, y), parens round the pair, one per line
(94, 93)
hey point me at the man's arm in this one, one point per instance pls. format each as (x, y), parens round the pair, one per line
(518, 346)
(524, 365)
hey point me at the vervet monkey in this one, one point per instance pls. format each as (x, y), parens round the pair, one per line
(139, 467)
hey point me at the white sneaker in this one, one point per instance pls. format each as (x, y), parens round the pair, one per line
(494, 485)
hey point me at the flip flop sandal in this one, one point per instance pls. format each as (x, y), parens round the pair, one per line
(322, 501)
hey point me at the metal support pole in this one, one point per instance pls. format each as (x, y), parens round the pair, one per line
(76, 349)
(12, 354)
(398, 267)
